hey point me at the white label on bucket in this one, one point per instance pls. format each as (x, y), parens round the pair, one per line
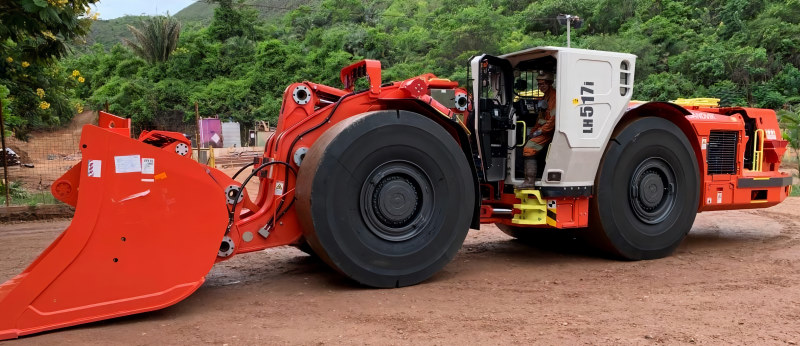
(278, 188)
(93, 169)
(128, 164)
(148, 166)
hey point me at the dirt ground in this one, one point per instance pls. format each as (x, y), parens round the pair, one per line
(735, 280)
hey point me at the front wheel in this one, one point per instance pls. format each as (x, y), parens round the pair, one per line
(386, 198)
(647, 191)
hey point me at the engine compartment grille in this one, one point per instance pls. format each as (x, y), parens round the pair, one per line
(721, 152)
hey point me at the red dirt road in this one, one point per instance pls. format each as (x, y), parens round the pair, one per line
(736, 279)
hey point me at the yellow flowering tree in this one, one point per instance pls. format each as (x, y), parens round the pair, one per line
(33, 35)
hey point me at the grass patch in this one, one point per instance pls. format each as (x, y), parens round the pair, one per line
(44, 197)
(20, 196)
(795, 191)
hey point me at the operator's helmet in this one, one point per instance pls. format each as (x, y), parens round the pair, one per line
(545, 76)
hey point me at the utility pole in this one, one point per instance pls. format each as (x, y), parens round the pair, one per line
(569, 34)
(569, 20)
(5, 158)
(197, 129)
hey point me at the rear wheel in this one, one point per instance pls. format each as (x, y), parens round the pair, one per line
(647, 191)
(386, 198)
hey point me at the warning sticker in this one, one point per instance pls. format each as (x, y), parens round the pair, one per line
(704, 144)
(127, 164)
(148, 166)
(719, 197)
(94, 168)
(278, 188)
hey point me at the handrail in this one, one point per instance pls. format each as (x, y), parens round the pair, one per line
(524, 134)
(758, 151)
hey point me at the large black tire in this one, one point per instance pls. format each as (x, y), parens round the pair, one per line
(647, 191)
(385, 198)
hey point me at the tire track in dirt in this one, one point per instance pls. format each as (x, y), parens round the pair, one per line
(734, 280)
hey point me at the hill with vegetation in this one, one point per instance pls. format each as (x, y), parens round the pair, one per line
(745, 52)
(199, 11)
(111, 32)
(203, 11)
(196, 15)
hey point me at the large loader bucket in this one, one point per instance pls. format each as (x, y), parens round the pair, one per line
(146, 230)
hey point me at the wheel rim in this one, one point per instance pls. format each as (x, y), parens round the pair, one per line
(397, 201)
(652, 190)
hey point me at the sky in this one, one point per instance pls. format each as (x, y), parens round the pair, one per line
(110, 9)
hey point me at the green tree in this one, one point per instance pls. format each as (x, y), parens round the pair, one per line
(156, 39)
(231, 22)
(665, 86)
(790, 122)
(744, 52)
(5, 107)
(33, 35)
(41, 29)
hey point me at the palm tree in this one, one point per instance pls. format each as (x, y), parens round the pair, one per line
(156, 39)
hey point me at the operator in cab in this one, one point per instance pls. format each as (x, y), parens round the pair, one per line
(541, 133)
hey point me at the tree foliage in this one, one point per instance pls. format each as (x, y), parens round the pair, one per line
(790, 121)
(155, 39)
(746, 52)
(41, 29)
(33, 35)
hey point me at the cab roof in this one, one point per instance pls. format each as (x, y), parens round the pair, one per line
(538, 52)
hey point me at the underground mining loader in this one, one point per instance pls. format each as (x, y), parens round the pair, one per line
(383, 181)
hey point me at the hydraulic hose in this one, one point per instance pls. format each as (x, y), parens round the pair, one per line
(242, 169)
(294, 142)
(239, 192)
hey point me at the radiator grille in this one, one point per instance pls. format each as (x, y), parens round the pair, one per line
(721, 152)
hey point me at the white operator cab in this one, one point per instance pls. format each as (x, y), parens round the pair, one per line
(593, 89)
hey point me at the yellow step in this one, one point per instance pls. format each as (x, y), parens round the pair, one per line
(533, 208)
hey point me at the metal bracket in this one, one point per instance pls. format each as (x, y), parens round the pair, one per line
(230, 194)
(264, 232)
(227, 247)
